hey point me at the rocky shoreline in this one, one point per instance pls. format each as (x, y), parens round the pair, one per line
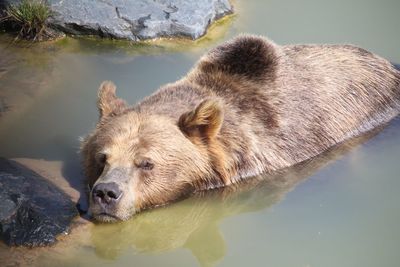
(136, 20)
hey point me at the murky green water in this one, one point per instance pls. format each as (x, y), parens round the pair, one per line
(341, 209)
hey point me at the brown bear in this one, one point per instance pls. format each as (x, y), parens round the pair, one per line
(249, 106)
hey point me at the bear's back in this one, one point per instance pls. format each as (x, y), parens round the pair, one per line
(298, 100)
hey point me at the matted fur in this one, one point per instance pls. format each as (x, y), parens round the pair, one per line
(249, 106)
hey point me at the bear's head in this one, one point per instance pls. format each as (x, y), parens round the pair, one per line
(137, 160)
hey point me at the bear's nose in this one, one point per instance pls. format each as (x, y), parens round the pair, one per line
(106, 193)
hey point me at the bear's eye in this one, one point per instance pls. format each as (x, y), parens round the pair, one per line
(146, 164)
(102, 158)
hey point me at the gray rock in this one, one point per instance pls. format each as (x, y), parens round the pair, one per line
(137, 19)
(33, 212)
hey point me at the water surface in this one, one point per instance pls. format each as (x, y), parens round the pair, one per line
(340, 209)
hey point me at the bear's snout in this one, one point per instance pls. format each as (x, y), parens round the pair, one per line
(111, 198)
(106, 195)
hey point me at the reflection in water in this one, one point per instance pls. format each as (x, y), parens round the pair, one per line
(25, 73)
(87, 45)
(194, 223)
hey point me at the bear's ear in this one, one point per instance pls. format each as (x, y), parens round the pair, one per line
(107, 102)
(204, 121)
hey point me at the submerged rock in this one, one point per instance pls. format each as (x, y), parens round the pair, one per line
(33, 212)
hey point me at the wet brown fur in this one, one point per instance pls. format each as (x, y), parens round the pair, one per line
(249, 106)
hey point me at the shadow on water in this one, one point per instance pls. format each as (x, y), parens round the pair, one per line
(193, 224)
(73, 173)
